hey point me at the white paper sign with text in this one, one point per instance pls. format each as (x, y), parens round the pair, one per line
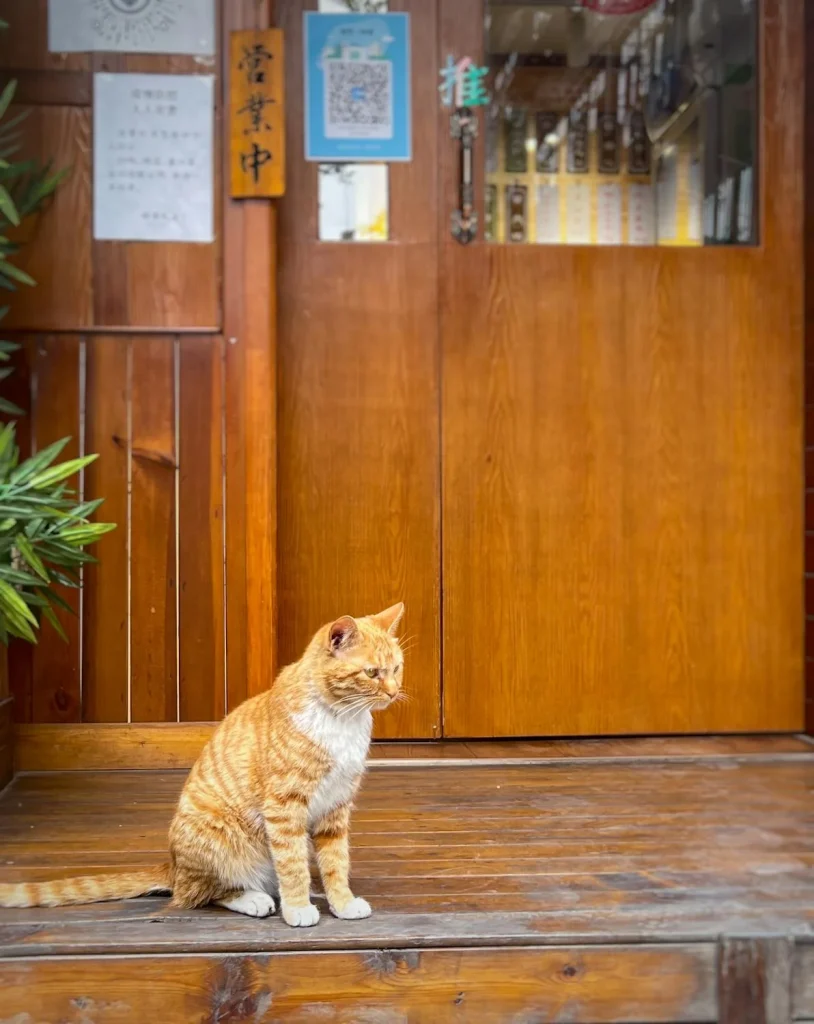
(153, 158)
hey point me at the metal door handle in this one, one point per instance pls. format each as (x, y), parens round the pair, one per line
(464, 126)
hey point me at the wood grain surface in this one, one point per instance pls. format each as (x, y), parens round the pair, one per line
(622, 529)
(201, 556)
(582, 986)
(153, 577)
(532, 856)
(56, 415)
(169, 745)
(105, 668)
(358, 441)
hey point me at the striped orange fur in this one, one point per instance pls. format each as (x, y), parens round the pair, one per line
(277, 777)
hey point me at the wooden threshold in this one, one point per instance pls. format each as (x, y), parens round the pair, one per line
(169, 746)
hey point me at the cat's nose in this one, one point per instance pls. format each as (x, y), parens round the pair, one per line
(390, 687)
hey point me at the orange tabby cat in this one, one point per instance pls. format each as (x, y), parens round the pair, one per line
(280, 769)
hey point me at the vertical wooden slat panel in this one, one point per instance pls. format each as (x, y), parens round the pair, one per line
(754, 981)
(153, 572)
(200, 531)
(17, 389)
(104, 659)
(57, 695)
(259, 328)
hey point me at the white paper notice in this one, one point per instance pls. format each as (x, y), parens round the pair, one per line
(548, 214)
(132, 26)
(609, 214)
(641, 221)
(153, 158)
(578, 213)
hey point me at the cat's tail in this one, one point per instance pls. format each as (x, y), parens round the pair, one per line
(87, 889)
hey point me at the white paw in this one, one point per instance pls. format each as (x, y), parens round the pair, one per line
(251, 903)
(355, 910)
(300, 917)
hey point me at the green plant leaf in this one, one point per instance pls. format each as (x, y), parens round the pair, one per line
(11, 601)
(86, 510)
(58, 473)
(7, 206)
(7, 438)
(14, 272)
(7, 96)
(28, 469)
(48, 612)
(87, 534)
(10, 409)
(18, 578)
(59, 600)
(26, 549)
(18, 627)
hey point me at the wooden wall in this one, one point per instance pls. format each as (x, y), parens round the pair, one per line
(160, 358)
(808, 235)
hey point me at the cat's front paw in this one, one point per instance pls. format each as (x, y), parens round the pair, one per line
(353, 911)
(300, 917)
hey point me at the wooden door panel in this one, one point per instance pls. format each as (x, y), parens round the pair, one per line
(358, 393)
(358, 454)
(621, 464)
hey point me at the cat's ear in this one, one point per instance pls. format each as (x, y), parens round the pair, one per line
(389, 618)
(342, 633)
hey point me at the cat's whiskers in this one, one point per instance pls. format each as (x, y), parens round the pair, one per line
(349, 709)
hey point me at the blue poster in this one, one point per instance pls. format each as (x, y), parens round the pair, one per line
(357, 87)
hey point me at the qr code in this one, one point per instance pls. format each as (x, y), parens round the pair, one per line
(358, 99)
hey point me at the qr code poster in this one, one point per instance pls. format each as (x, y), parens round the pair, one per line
(357, 87)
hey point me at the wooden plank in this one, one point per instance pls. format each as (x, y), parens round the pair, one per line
(345, 390)
(250, 400)
(803, 983)
(153, 533)
(167, 746)
(51, 88)
(358, 422)
(754, 981)
(56, 668)
(17, 389)
(104, 666)
(6, 739)
(256, 114)
(62, 299)
(89, 748)
(584, 986)
(200, 529)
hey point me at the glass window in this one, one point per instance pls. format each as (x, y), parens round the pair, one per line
(622, 122)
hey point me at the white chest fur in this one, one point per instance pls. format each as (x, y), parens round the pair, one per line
(346, 739)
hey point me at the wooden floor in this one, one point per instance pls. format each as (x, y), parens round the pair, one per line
(644, 890)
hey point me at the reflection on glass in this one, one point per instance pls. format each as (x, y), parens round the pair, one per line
(353, 203)
(353, 198)
(622, 122)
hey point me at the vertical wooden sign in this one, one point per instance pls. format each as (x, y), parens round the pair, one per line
(256, 114)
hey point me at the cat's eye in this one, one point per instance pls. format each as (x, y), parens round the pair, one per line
(371, 673)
